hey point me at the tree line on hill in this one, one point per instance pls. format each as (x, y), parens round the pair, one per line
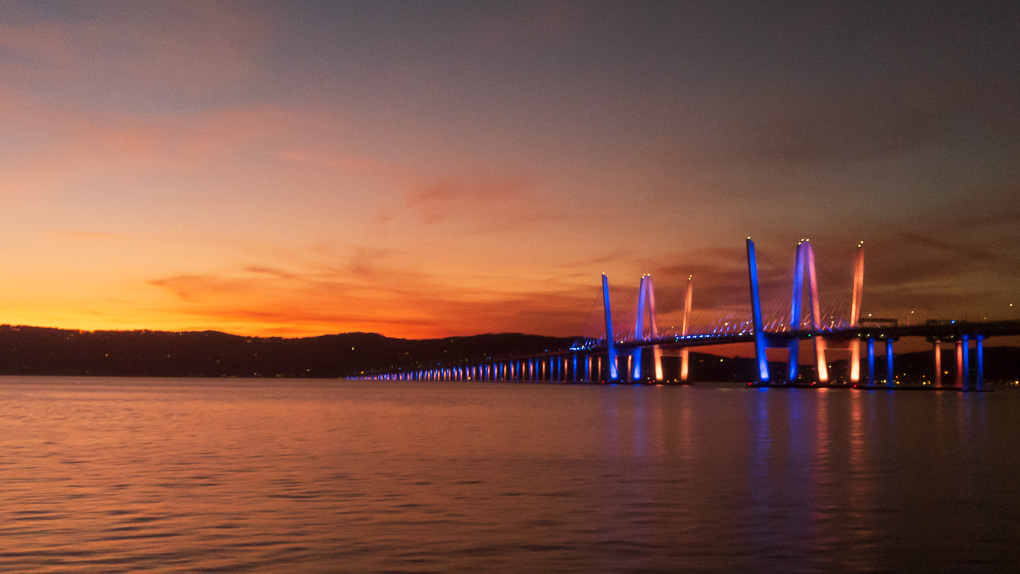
(46, 351)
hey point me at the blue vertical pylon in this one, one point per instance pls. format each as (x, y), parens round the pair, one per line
(614, 373)
(759, 331)
(639, 328)
(793, 361)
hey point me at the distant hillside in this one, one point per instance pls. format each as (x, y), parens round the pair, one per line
(44, 351)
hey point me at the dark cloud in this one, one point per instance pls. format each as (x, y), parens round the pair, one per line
(912, 241)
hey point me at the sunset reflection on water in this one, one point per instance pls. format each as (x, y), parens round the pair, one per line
(149, 474)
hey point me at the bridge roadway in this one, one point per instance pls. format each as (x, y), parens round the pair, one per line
(946, 332)
(588, 363)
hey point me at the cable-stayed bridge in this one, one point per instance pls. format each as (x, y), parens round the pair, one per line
(612, 354)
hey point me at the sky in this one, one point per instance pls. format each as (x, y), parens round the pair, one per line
(429, 169)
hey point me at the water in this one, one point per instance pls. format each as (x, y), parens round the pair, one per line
(118, 475)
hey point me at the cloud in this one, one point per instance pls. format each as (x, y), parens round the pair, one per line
(365, 262)
(60, 146)
(460, 199)
(143, 49)
(480, 205)
(194, 288)
(334, 161)
(614, 256)
(86, 235)
(835, 130)
(912, 241)
(270, 271)
(371, 292)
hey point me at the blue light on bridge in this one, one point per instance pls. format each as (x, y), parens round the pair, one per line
(759, 335)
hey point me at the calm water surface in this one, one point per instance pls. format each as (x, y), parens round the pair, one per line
(118, 475)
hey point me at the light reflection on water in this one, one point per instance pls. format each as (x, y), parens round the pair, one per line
(202, 475)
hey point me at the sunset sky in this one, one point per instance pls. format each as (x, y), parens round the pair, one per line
(425, 169)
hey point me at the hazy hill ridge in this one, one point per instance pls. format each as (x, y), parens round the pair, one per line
(45, 351)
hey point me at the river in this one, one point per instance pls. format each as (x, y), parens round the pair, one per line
(129, 475)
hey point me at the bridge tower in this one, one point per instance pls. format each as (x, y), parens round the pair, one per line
(760, 343)
(614, 372)
(685, 352)
(804, 270)
(806, 264)
(646, 300)
(653, 330)
(639, 328)
(855, 320)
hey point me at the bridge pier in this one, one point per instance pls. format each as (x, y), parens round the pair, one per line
(871, 362)
(961, 361)
(938, 365)
(964, 363)
(890, 375)
(793, 361)
(979, 358)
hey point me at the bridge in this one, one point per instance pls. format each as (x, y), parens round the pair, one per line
(637, 356)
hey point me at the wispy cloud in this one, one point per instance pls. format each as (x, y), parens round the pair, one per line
(480, 205)
(270, 271)
(86, 235)
(462, 200)
(911, 241)
(178, 47)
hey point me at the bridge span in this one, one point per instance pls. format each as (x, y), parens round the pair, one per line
(611, 358)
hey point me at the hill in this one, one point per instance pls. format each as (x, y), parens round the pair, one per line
(45, 351)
